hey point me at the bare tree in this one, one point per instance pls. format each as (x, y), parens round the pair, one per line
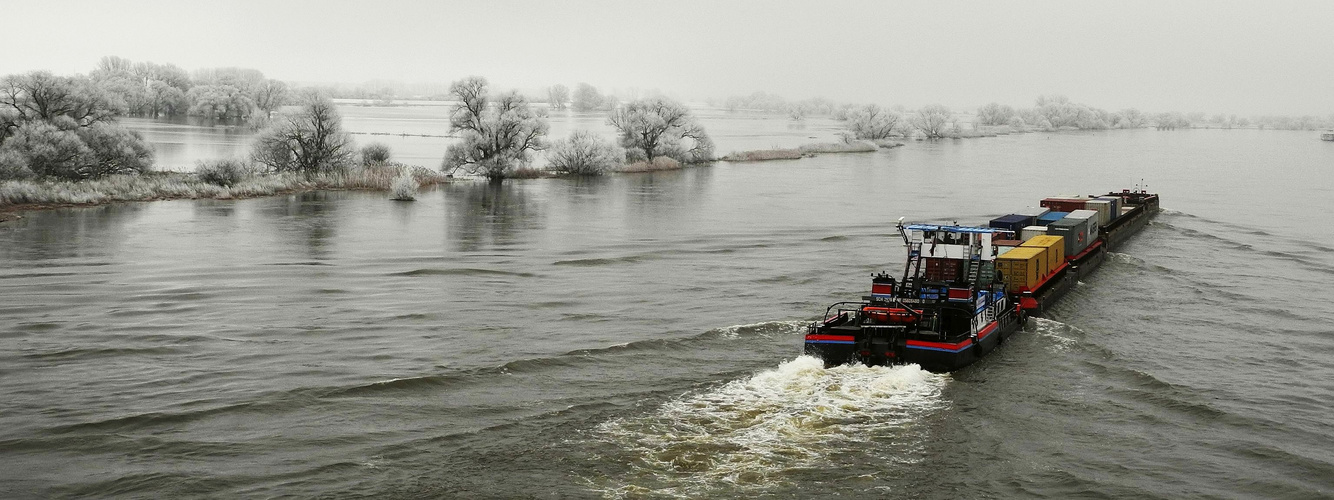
(872, 122)
(661, 127)
(496, 137)
(557, 96)
(931, 120)
(42, 96)
(269, 95)
(310, 141)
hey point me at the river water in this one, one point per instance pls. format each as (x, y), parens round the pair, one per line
(640, 335)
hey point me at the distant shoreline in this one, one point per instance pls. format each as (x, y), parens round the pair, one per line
(22, 196)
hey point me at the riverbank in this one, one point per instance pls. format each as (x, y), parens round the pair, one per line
(17, 196)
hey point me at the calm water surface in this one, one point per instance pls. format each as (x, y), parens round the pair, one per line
(639, 335)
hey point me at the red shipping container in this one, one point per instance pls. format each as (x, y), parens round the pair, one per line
(1063, 204)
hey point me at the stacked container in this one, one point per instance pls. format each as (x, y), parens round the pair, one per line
(1090, 215)
(1003, 246)
(1054, 246)
(1116, 204)
(1078, 233)
(1012, 222)
(1060, 204)
(1029, 232)
(1104, 209)
(943, 269)
(1050, 217)
(1021, 268)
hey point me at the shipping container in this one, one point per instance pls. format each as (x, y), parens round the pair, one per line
(1104, 209)
(1021, 268)
(937, 269)
(1055, 248)
(1051, 217)
(1031, 231)
(1083, 214)
(1063, 204)
(1079, 233)
(1033, 212)
(1116, 205)
(1012, 222)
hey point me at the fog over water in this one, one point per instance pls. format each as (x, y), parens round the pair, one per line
(1213, 57)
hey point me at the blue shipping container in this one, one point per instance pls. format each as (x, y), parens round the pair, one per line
(1051, 217)
(1012, 222)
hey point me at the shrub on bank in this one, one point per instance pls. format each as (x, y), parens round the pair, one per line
(584, 153)
(375, 154)
(404, 187)
(178, 185)
(764, 155)
(659, 163)
(839, 147)
(227, 172)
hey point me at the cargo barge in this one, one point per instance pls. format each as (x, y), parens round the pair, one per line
(965, 289)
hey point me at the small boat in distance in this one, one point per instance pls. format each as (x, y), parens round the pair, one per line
(1327, 135)
(964, 289)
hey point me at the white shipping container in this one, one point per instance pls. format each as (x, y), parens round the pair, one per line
(1083, 214)
(1029, 232)
(1104, 209)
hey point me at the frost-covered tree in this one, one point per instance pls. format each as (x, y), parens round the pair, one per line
(557, 96)
(269, 95)
(584, 153)
(932, 120)
(587, 98)
(873, 123)
(495, 136)
(659, 126)
(310, 141)
(994, 114)
(63, 127)
(220, 101)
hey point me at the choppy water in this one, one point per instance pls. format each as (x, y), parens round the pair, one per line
(639, 336)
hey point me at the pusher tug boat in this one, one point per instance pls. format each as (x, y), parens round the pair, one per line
(965, 289)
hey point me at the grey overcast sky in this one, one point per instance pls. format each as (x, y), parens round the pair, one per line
(1216, 56)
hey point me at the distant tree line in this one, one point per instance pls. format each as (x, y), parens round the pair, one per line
(149, 89)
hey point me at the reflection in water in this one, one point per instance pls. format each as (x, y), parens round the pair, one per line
(307, 220)
(652, 192)
(494, 213)
(68, 232)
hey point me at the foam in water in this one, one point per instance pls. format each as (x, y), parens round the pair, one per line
(748, 434)
(766, 329)
(1052, 330)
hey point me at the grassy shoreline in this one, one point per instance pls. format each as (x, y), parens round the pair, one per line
(21, 195)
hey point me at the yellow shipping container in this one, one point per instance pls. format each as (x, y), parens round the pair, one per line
(1055, 248)
(1022, 267)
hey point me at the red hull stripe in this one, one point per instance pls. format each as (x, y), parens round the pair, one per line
(941, 346)
(987, 331)
(846, 338)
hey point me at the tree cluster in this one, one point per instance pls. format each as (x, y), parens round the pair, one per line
(587, 98)
(149, 89)
(64, 127)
